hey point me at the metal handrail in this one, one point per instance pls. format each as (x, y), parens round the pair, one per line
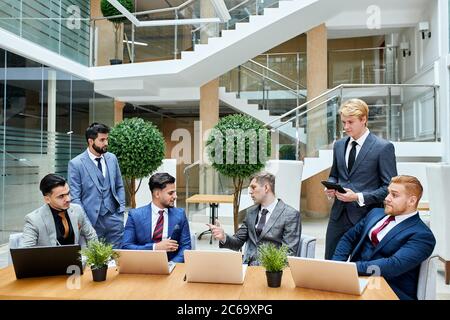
(362, 49)
(275, 81)
(277, 73)
(304, 112)
(181, 6)
(342, 86)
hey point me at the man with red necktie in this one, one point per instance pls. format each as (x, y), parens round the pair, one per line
(391, 242)
(159, 225)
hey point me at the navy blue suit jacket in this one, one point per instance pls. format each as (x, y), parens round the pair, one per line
(398, 255)
(138, 231)
(371, 174)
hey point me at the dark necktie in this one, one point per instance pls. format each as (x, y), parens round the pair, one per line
(65, 223)
(352, 156)
(158, 232)
(99, 164)
(261, 222)
(374, 234)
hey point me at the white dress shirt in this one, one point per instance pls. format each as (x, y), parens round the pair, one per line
(102, 161)
(155, 216)
(360, 141)
(390, 226)
(269, 208)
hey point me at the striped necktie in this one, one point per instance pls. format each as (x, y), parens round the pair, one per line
(158, 232)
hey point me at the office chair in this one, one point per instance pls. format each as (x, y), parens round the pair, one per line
(15, 241)
(426, 285)
(307, 246)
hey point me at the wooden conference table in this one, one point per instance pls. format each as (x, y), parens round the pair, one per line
(172, 287)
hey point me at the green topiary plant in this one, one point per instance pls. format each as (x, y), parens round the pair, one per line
(238, 147)
(108, 10)
(273, 258)
(139, 147)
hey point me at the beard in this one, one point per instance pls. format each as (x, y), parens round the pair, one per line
(100, 150)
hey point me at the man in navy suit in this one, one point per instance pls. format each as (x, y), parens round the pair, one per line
(96, 184)
(363, 164)
(159, 225)
(392, 242)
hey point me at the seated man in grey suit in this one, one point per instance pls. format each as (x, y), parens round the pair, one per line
(270, 220)
(57, 222)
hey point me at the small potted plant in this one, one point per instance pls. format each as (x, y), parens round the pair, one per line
(274, 260)
(98, 254)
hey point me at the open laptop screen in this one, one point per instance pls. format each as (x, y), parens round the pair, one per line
(46, 261)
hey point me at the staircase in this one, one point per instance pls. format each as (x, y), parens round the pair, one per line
(220, 54)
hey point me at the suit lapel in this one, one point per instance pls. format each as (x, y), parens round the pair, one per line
(368, 144)
(91, 169)
(74, 221)
(369, 225)
(251, 221)
(279, 208)
(147, 223)
(171, 222)
(109, 172)
(396, 230)
(49, 222)
(343, 150)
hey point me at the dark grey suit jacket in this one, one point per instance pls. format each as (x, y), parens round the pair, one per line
(373, 169)
(283, 227)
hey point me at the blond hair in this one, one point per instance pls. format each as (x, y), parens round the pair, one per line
(355, 107)
(412, 185)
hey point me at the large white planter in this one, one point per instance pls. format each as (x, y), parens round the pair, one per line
(288, 180)
(438, 176)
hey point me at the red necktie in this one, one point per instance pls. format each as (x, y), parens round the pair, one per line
(375, 232)
(157, 234)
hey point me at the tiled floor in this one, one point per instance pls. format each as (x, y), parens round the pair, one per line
(313, 227)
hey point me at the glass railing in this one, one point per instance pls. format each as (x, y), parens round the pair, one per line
(154, 43)
(28, 155)
(291, 65)
(397, 112)
(266, 87)
(59, 26)
(362, 66)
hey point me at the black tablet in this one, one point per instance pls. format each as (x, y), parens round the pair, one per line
(334, 186)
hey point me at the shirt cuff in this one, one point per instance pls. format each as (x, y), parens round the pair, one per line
(224, 240)
(360, 199)
(154, 246)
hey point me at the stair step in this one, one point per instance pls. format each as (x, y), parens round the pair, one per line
(257, 19)
(187, 54)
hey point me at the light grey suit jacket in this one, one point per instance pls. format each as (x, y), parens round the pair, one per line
(283, 227)
(40, 230)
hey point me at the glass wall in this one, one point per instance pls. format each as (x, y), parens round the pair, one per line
(62, 26)
(43, 115)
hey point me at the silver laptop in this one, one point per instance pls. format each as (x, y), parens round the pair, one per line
(214, 266)
(326, 275)
(144, 261)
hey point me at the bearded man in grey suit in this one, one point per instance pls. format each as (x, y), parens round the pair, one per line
(58, 222)
(270, 220)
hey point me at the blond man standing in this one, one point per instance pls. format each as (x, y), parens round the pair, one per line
(363, 164)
